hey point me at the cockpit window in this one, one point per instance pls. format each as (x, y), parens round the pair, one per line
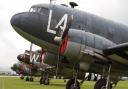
(44, 10)
(39, 10)
(34, 9)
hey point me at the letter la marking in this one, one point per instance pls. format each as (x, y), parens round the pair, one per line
(62, 23)
(34, 58)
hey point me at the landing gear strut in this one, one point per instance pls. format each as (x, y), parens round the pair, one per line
(73, 83)
(44, 79)
(95, 77)
(104, 83)
(101, 84)
(89, 77)
(29, 77)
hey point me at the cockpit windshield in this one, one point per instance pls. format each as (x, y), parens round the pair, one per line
(39, 10)
(34, 9)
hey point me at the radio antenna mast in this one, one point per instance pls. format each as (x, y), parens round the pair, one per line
(52, 1)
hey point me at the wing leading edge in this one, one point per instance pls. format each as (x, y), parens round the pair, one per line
(118, 53)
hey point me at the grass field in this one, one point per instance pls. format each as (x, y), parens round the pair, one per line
(16, 83)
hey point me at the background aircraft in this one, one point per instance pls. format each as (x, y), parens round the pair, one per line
(33, 59)
(35, 62)
(18, 69)
(84, 41)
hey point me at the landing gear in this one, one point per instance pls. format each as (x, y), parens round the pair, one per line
(65, 80)
(29, 79)
(72, 84)
(89, 77)
(101, 84)
(95, 77)
(22, 77)
(104, 83)
(45, 79)
(41, 81)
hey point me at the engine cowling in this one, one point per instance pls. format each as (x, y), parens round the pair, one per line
(77, 41)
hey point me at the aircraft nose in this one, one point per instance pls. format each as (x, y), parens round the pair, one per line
(23, 58)
(15, 20)
(26, 21)
(19, 20)
(20, 57)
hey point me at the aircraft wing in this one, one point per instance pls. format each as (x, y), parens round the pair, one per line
(118, 53)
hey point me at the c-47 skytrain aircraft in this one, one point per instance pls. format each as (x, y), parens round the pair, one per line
(82, 41)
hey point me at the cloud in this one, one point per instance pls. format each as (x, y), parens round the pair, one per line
(11, 44)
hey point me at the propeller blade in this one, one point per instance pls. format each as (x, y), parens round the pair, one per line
(62, 34)
(68, 26)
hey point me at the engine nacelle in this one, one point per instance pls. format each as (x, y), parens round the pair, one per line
(77, 41)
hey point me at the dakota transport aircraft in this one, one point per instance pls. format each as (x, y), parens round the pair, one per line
(84, 42)
(34, 61)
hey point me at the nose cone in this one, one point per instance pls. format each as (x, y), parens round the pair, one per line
(26, 21)
(24, 58)
(20, 58)
(33, 27)
(15, 20)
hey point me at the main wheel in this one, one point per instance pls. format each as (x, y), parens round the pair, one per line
(65, 80)
(41, 81)
(22, 77)
(101, 84)
(71, 84)
(27, 78)
(31, 79)
(46, 81)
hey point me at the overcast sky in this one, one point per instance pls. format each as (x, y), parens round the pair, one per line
(11, 44)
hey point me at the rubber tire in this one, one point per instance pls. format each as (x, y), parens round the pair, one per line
(27, 79)
(70, 83)
(31, 79)
(41, 81)
(46, 81)
(100, 84)
(65, 81)
(21, 77)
